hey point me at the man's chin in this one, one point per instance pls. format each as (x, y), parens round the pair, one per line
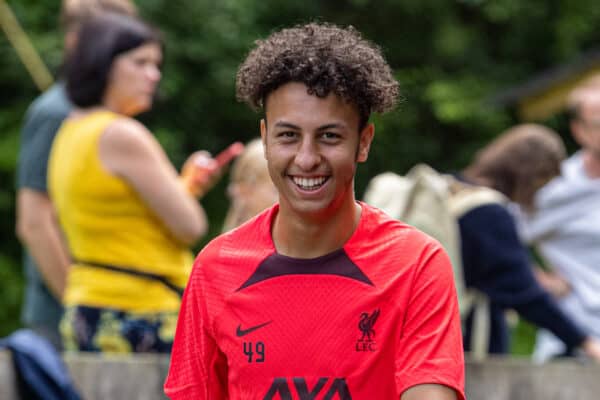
(310, 210)
(593, 153)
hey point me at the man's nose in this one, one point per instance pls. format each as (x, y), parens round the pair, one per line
(308, 156)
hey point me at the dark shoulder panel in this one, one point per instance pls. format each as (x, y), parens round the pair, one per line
(336, 263)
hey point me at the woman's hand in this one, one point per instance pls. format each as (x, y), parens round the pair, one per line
(555, 284)
(591, 347)
(199, 173)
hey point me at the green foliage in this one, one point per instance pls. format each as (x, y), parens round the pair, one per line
(522, 338)
(10, 296)
(449, 56)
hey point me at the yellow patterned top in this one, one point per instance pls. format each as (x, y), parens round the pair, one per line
(105, 221)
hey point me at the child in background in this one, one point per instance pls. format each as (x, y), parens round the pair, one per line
(250, 189)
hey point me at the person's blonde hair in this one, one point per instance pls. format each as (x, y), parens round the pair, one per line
(249, 171)
(75, 12)
(519, 162)
(251, 166)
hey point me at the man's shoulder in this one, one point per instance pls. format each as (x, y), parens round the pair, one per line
(571, 168)
(394, 254)
(384, 241)
(54, 99)
(256, 230)
(52, 103)
(376, 226)
(41, 124)
(46, 113)
(576, 159)
(572, 184)
(239, 251)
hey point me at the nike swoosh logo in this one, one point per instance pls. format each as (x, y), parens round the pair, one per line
(243, 332)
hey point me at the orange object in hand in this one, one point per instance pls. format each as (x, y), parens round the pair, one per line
(200, 169)
(232, 151)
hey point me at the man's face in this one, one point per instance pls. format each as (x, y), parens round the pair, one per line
(586, 128)
(312, 146)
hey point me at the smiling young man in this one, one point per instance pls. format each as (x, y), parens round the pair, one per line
(319, 297)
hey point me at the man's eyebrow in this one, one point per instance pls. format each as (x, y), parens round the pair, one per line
(283, 124)
(331, 126)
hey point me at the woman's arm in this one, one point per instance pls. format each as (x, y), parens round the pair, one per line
(498, 264)
(128, 150)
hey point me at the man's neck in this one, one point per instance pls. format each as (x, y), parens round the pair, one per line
(591, 164)
(297, 236)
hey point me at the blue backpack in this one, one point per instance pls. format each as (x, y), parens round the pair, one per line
(41, 373)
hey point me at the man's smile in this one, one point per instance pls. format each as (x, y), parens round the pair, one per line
(306, 183)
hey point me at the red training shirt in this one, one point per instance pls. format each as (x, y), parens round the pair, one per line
(367, 321)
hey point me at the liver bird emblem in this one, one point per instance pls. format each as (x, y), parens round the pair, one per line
(366, 325)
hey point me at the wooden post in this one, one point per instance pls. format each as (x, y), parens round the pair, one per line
(25, 50)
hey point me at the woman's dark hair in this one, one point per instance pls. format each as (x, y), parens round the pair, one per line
(326, 58)
(519, 162)
(101, 39)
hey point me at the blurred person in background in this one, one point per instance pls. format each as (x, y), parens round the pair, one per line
(250, 189)
(564, 224)
(517, 164)
(127, 215)
(46, 259)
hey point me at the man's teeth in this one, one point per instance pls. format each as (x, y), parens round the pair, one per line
(309, 183)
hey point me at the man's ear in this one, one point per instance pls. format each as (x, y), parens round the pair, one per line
(263, 136)
(364, 144)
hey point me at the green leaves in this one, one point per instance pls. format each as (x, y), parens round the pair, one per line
(449, 57)
(11, 294)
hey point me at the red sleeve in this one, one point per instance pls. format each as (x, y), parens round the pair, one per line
(198, 369)
(430, 349)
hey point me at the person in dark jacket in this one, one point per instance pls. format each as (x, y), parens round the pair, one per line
(517, 163)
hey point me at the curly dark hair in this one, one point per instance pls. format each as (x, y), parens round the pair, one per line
(326, 58)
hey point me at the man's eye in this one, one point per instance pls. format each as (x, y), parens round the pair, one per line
(330, 135)
(287, 134)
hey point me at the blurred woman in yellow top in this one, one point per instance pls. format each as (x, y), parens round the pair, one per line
(127, 215)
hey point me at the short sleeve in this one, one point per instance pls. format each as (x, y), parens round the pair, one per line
(198, 369)
(37, 136)
(430, 349)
